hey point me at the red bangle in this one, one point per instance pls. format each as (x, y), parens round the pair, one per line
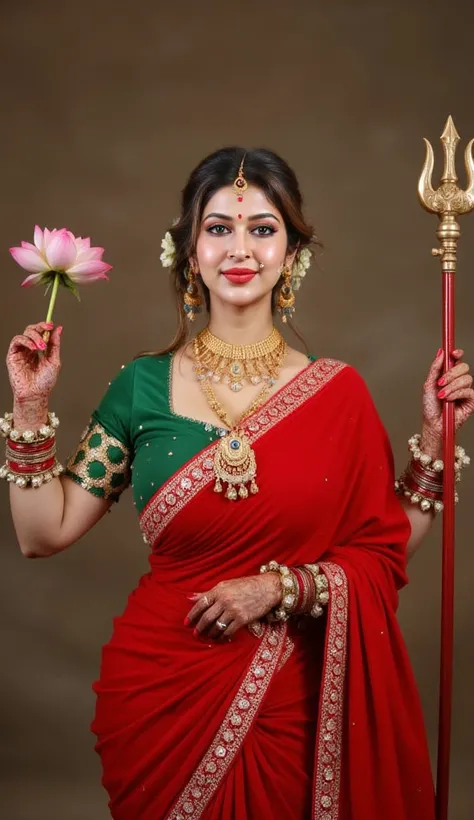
(31, 469)
(305, 583)
(301, 589)
(422, 486)
(21, 447)
(415, 468)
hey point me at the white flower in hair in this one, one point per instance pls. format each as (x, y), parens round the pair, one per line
(169, 251)
(299, 268)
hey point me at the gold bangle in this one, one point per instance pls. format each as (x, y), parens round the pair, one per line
(321, 590)
(289, 587)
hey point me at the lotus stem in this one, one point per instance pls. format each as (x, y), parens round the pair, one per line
(54, 293)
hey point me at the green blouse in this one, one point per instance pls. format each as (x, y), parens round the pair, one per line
(134, 436)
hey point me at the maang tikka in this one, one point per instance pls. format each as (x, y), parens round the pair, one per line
(240, 183)
(192, 297)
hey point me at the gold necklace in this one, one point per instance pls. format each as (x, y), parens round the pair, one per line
(236, 365)
(234, 461)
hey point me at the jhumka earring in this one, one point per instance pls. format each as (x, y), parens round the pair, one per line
(286, 297)
(192, 297)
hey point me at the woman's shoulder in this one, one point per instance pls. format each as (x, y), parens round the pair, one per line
(142, 367)
(145, 362)
(349, 378)
(151, 361)
(325, 366)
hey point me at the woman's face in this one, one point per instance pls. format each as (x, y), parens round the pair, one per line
(241, 246)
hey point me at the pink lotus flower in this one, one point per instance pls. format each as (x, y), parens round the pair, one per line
(59, 258)
(60, 252)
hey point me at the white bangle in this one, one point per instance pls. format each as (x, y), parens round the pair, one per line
(7, 429)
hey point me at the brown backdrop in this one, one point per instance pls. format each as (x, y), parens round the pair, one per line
(106, 107)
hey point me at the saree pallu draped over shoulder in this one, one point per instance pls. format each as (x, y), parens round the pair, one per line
(319, 719)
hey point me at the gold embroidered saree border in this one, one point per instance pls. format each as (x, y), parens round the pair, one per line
(190, 479)
(327, 776)
(273, 651)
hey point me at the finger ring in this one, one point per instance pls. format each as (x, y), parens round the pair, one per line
(221, 625)
(206, 601)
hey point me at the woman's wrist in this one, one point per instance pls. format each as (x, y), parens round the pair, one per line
(431, 443)
(273, 589)
(30, 449)
(422, 480)
(30, 414)
(298, 591)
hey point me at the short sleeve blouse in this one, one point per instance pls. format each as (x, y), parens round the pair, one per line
(102, 460)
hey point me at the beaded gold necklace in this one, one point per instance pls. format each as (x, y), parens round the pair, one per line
(234, 461)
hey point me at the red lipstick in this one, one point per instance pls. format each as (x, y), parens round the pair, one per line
(239, 275)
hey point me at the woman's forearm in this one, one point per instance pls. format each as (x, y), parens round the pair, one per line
(37, 514)
(421, 522)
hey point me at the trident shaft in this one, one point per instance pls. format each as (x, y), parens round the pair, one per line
(448, 202)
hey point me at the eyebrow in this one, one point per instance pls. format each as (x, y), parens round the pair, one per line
(251, 218)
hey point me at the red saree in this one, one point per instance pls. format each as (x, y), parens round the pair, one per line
(284, 723)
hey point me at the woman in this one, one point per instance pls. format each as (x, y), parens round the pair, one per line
(234, 687)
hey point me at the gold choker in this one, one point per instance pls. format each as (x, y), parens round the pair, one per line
(236, 365)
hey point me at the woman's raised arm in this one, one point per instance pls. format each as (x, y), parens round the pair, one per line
(51, 517)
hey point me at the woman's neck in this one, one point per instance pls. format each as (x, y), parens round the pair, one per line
(241, 326)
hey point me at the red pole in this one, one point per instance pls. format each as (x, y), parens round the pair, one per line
(448, 202)
(447, 595)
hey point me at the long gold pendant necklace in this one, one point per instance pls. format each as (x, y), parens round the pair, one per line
(234, 461)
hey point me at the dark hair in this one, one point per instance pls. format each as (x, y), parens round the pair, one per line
(262, 168)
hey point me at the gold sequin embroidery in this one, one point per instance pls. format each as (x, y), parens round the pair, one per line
(272, 652)
(327, 781)
(100, 463)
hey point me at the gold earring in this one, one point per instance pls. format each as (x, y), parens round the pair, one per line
(192, 297)
(286, 297)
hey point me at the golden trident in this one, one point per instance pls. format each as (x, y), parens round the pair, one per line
(448, 201)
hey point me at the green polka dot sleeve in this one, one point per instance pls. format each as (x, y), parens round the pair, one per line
(102, 459)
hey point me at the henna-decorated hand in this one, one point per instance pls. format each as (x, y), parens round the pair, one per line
(456, 386)
(33, 365)
(235, 603)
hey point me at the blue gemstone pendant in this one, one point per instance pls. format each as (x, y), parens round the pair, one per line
(234, 465)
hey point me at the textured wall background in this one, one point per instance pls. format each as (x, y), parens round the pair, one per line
(106, 108)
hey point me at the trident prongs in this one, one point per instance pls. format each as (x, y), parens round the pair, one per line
(449, 200)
